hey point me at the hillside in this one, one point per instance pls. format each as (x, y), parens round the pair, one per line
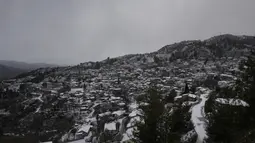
(9, 72)
(93, 100)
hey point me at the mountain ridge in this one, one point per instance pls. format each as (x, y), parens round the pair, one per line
(10, 69)
(208, 47)
(24, 65)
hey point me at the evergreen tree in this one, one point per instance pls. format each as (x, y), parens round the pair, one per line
(22, 87)
(195, 54)
(84, 86)
(97, 65)
(171, 96)
(108, 60)
(1, 131)
(206, 60)
(156, 59)
(44, 85)
(147, 132)
(160, 124)
(118, 78)
(186, 90)
(235, 124)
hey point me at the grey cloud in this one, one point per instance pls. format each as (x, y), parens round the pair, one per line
(70, 32)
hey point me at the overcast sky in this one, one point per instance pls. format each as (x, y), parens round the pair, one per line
(75, 31)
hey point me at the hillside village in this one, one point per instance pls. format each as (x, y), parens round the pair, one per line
(97, 101)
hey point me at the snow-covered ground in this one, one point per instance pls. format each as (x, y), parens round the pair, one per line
(198, 118)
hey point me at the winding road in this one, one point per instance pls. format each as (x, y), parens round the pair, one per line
(198, 118)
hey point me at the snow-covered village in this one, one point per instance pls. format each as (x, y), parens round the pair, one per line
(127, 71)
(96, 102)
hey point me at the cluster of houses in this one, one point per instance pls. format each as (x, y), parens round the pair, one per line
(102, 99)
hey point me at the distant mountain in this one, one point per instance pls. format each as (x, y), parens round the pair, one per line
(25, 66)
(9, 72)
(9, 69)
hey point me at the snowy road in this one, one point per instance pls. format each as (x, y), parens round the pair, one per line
(198, 118)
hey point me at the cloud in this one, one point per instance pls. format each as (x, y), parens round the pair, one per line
(70, 32)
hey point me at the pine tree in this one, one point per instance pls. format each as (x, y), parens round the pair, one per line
(193, 89)
(235, 124)
(156, 60)
(147, 132)
(22, 87)
(206, 60)
(160, 124)
(1, 131)
(97, 65)
(186, 90)
(118, 81)
(171, 96)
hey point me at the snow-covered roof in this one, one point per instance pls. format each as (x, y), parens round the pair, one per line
(79, 94)
(177, 97)
(133, 106)
(231, 101)
(144, 104)
(134, 113)
(222, 84)
(119, 112)
(115, 98)
(74, 90)
(121, 104)
(110, 126)
(104, 114)
(192, 95)
(85, 128)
